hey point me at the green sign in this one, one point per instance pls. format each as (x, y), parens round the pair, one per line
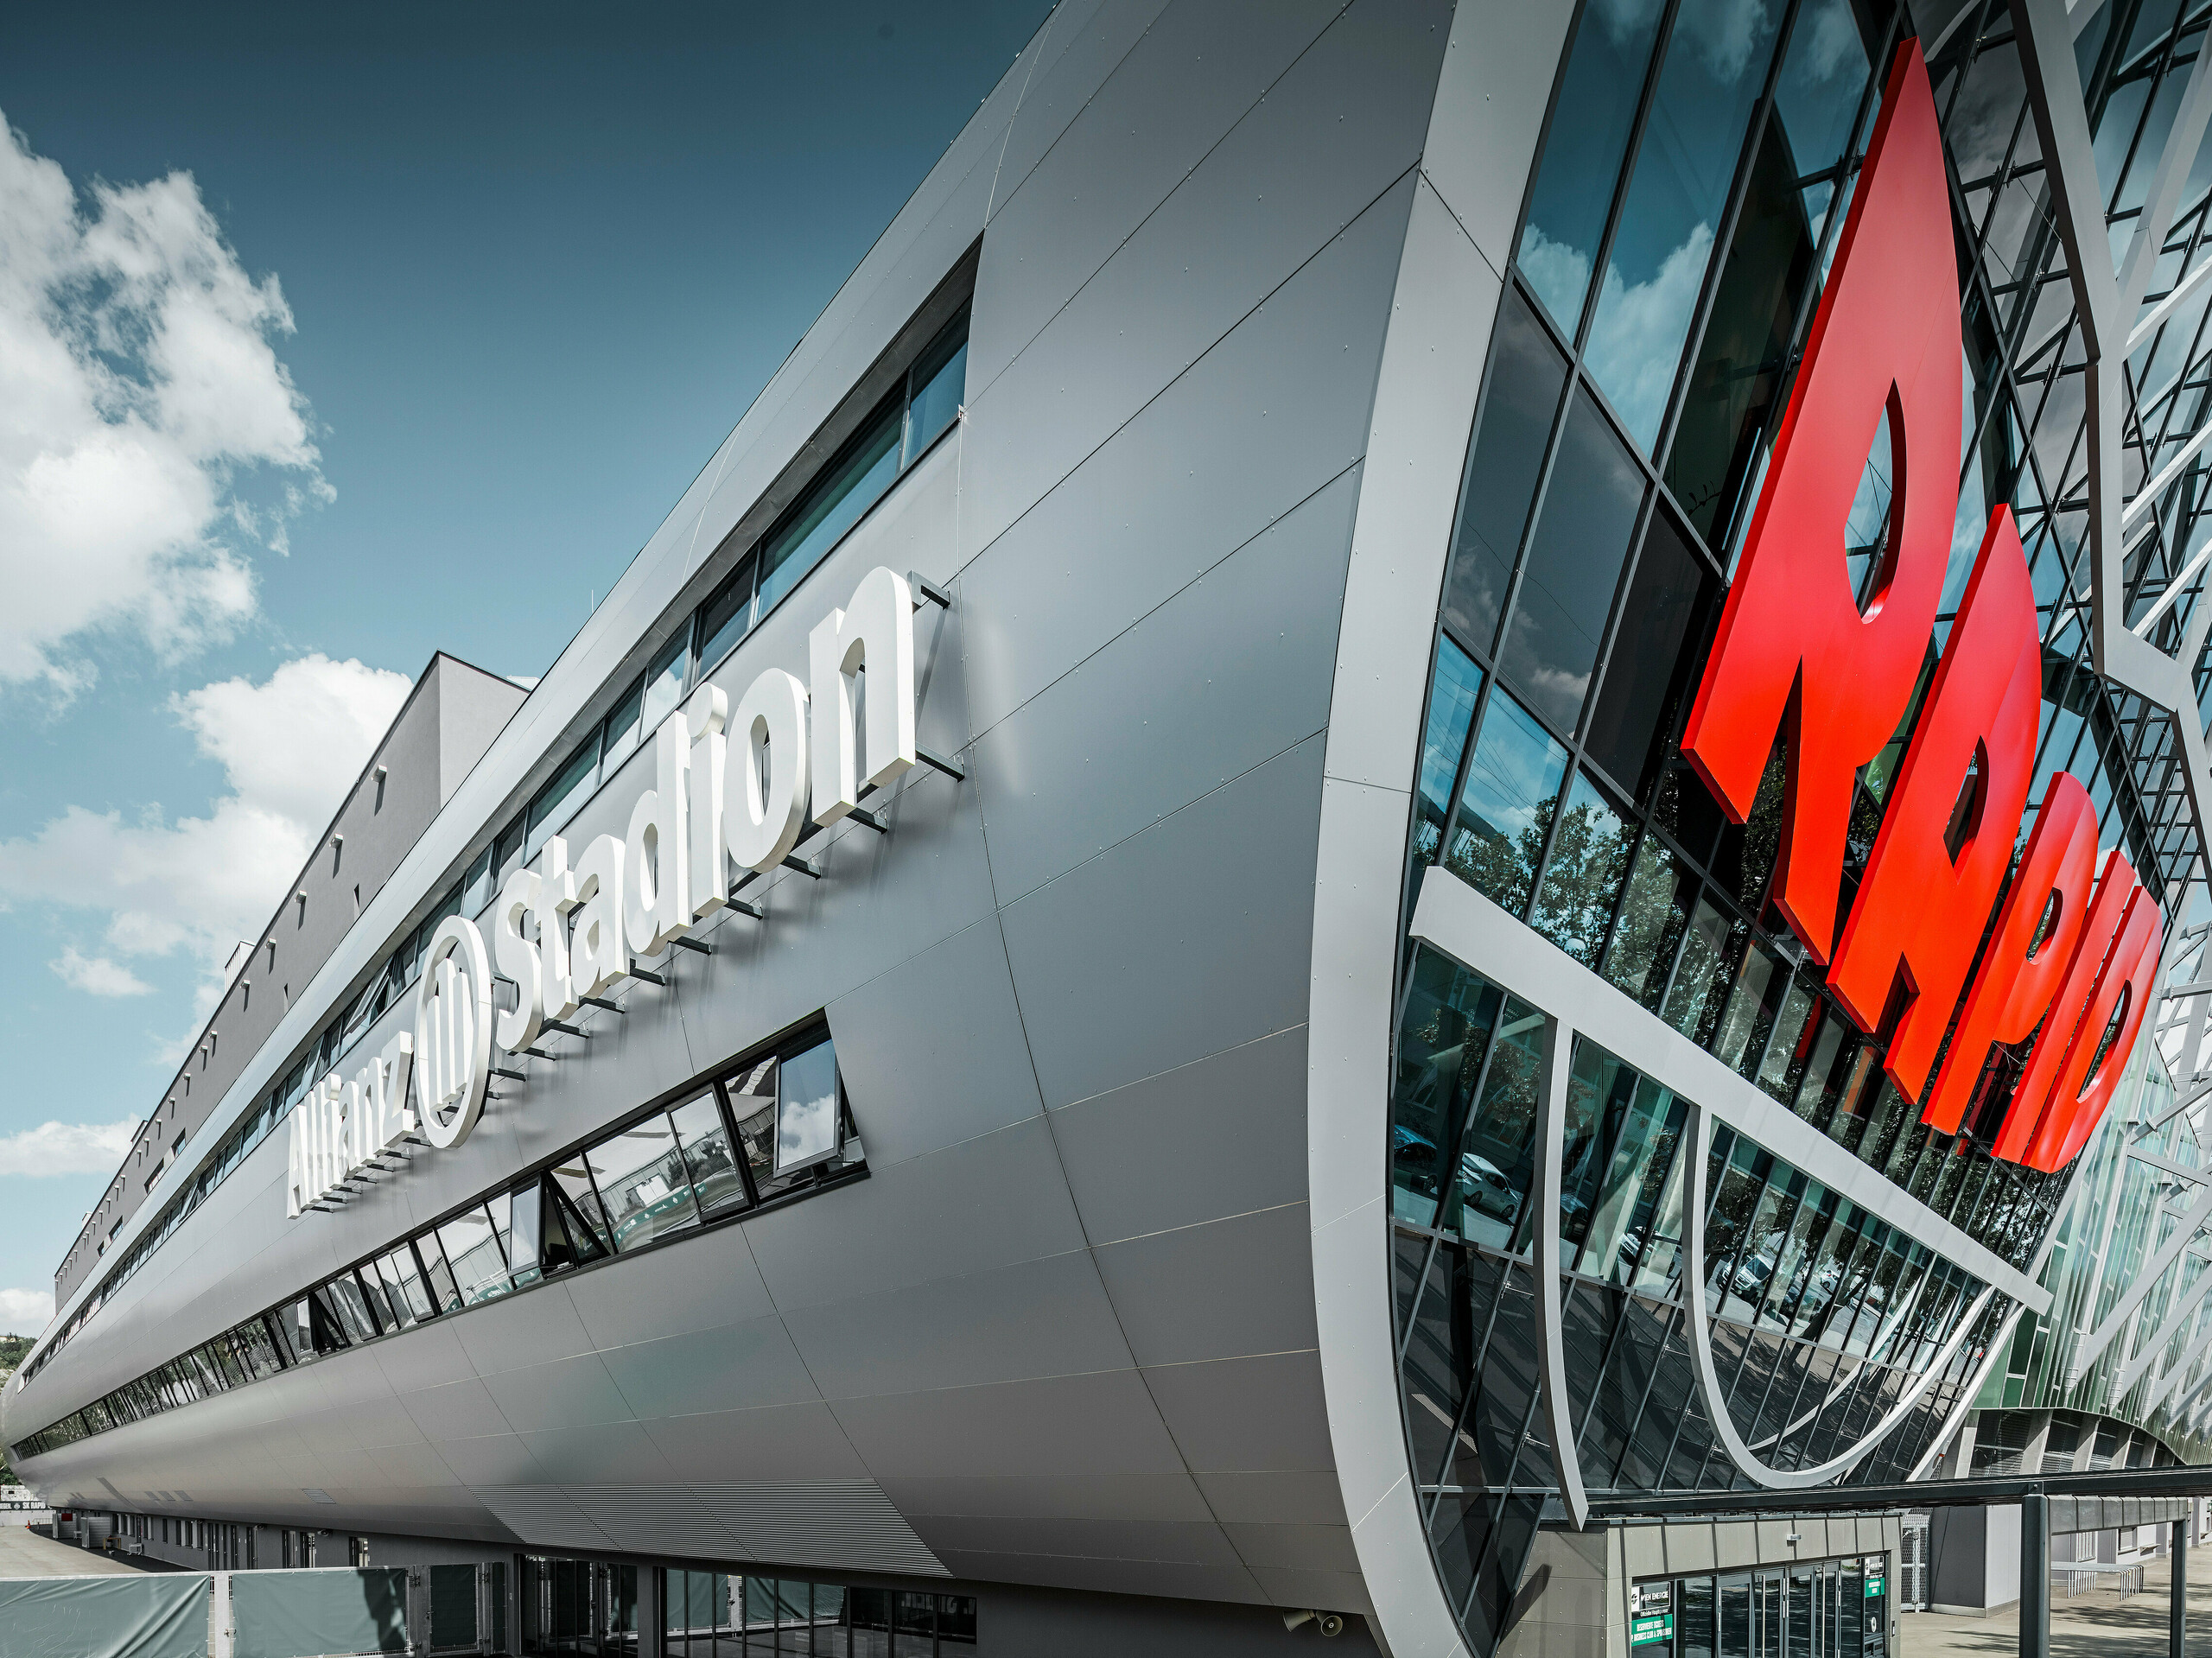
(1642, 1629)
(1873, 1588)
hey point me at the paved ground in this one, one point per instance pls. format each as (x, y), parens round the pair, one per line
(24, 1554)
(2099, 1623)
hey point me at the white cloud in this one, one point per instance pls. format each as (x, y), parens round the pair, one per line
(1636, 338)
(1560, 270)
(138, 385)
(1834, 39)
(291, 746)
(1724, 32)
(97, 975)
(26, 1313)
(66, 1147)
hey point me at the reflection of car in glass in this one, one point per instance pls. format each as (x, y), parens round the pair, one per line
(1412, 1157)
(650, 1201)
(1750, 1279)
(1813, 1297)
(1483, 1185)
(1631, 1247)
(1574, 1215)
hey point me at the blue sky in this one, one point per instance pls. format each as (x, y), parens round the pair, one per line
(332, 339)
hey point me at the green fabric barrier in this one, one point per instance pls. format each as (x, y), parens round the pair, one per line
(162, 1616)
(453, 1605)
(319, 1614)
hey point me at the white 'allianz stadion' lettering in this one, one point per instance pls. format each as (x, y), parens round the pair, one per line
(564, 933)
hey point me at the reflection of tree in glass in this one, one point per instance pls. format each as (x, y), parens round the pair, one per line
(1763, 833)
(1502, 1129)
(1652, 919)
(1502, 868)
(1734, 1203)
(1589, 859)
(1445, 1032)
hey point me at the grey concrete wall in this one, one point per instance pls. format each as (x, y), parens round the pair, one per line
(1066, 1327)
(1961, 1558)
(473, 708)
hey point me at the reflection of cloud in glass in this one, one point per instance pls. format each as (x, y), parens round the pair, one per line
(806, 1114)
(1559, 686)
(1452, 708)
(1832, 43)
(1559, 273)
(1636, 340)
(1625, 19)
(1724, 32)
(1516, 771)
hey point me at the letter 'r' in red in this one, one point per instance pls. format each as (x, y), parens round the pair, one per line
(1794, 654)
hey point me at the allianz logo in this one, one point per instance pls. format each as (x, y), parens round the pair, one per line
(567, 934)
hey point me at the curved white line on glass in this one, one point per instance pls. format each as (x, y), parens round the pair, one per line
(1709, 1379)
(1551, 1337)
(1469, 928)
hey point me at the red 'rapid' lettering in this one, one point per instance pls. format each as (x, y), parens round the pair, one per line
(1794, 653)
(2013, 989)
(2031, 1097)
(2076, 1102)
(1920, 912)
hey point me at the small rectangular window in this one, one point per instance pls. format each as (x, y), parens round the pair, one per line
(256, 1350)
(562, 793)
(790, 1117)
(622, 727)
(585, 1216)
(480, 1268)
(507, 850)
(526, 1247)
(372, 1285)
(664, 680)
(478, 885)
(403, 1292)
(640, 1176)
(725, 617)
(550, 1235)
(327, 1328)
(806, 1109)
(352, 1307)
(704, 1138)
(936, 385)
(445, 1295)
(832, 505)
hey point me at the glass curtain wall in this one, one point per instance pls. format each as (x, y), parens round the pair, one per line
(1681, 223)
(1823, 1318)
(579, 1606)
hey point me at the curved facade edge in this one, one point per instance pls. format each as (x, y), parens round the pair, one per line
(1483, 131)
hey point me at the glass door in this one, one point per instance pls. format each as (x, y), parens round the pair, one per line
(1766, 1614)
(1800, 1634)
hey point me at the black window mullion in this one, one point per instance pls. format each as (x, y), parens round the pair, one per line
(737, 1145)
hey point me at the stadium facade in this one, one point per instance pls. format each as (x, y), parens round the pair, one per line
(1429, 765)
